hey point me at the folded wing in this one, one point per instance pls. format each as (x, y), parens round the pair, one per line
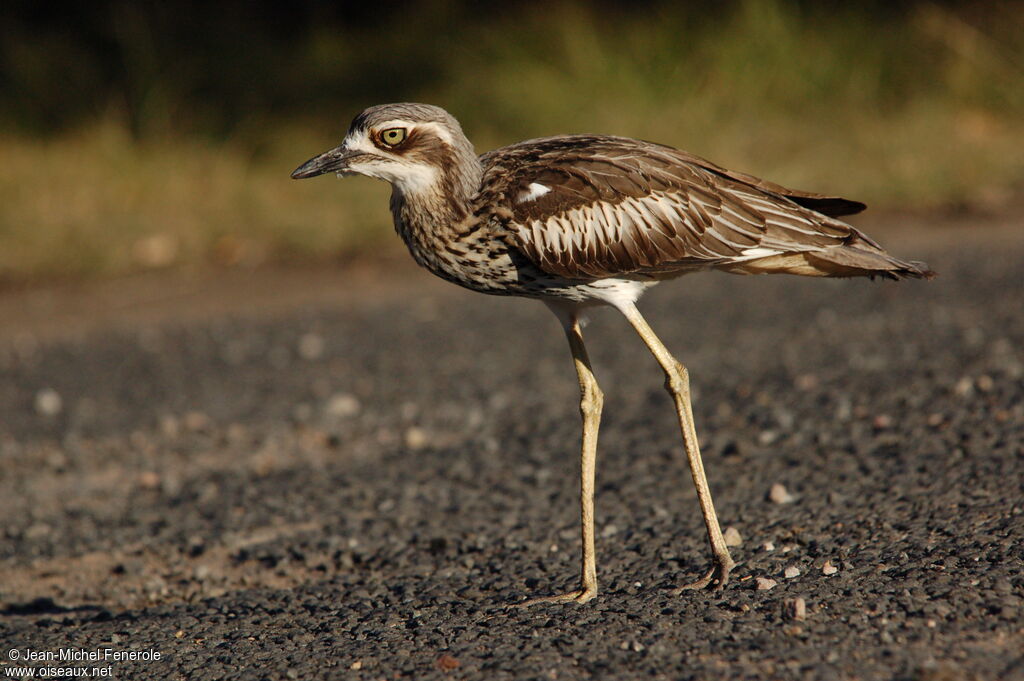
(593, 206)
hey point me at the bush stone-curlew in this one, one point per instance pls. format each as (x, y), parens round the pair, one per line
(583, 220)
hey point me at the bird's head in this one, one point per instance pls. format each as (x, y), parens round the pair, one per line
(416, 147)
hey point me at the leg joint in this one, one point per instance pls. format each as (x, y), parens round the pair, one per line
(677, 378)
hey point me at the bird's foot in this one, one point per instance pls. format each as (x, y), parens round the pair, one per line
(716, 578)
(577, 596)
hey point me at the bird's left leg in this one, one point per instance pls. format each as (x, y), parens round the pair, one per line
(677, 382)
(591, 402)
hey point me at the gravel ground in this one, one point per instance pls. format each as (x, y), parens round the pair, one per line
(356, 488)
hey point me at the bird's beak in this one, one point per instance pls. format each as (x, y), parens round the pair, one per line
(336, 160)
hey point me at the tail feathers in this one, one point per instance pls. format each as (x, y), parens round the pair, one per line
(851, 261)
(860, 260)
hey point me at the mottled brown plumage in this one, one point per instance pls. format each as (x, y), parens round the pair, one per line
(619, 206)
(583, 220)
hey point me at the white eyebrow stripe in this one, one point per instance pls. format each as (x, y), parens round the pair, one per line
(534, 191)
(435, 128)
(359, 141)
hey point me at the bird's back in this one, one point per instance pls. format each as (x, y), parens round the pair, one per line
(589, 206)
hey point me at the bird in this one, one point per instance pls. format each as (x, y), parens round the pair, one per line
(582, 221)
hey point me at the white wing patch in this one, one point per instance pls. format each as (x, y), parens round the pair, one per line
(534, 191)
(752, 253)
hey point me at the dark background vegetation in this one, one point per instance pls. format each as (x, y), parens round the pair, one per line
(215, 67)
(899, 103)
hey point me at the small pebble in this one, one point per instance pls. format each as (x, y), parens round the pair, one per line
(612, 530)
(828, 568)
(169, 425)
(765, 583)
(795, 609)
(791, 572)
(357, 665)
(311, 346)
(236, 433)
(416, 438)
(780, 495)
(806, 382)
(196, 420)
(38, 531)
(56, 460)
(768, 546)
(49, 402)
(342, 405)
(149, 480)
(964, 387)
(732, 537)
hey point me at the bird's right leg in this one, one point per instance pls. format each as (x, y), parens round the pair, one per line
(677, 382)
(591, 402)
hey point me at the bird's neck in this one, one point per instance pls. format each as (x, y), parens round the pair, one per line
(430, 212)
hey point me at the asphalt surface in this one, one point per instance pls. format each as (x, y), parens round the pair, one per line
(355, 487)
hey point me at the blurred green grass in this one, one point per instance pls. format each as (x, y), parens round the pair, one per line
(921, 108)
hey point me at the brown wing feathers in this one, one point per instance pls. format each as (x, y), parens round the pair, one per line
(588, 206)
(833, 206)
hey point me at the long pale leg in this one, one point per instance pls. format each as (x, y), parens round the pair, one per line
(677, 382)
(591, 401)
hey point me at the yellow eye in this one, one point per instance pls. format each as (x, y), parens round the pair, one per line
(393, 136)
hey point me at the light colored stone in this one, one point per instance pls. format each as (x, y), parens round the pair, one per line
(765, 583)
(311, 346)
(49, 402)
(196, 420)
(170, 426)
(609, 531)
(780, 495)
(732, 537)
(342, 405)
(964, 387)
(416, 438)
(795, 609)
